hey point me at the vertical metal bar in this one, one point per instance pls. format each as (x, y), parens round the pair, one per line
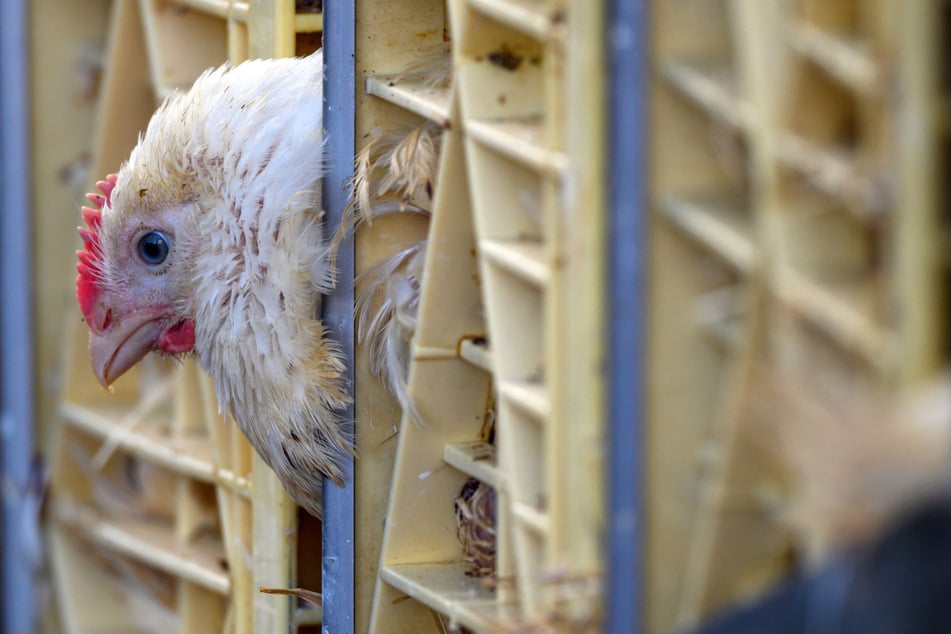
(21, 544)
(339, 95)
(627, 37)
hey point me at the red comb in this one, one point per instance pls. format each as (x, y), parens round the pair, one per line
(90, 259)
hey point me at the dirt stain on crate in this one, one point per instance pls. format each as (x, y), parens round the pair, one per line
(506, 58)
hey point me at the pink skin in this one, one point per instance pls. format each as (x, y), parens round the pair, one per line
(121, 331)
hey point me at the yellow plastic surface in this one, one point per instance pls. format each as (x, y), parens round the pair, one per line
(795, 226)
(509, 327)
(208, 523)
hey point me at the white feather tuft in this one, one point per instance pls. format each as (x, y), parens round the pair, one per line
(386, 308)
(394, 172)
(432, 67)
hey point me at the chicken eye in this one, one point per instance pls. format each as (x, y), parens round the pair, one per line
(153, 248)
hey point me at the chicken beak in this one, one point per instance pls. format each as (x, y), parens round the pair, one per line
(121, 345)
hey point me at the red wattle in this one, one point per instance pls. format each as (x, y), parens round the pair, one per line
(178, 338)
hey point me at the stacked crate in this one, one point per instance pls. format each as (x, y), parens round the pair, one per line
(795, 198)
(507, 351)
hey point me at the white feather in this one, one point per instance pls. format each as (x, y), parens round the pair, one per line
(392, 287)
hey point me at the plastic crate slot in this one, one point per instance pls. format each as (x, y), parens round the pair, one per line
(518, 138)
(200, 561)
(190, 456)
(433, 353)
(522, 454)
(478, 354)
(238, 11)
(523, 259)
(515, 316)
(526, 16)
(532, 518)
(429, 103)
(716, 224)
(308, 23)
(528, 547)
(475, 459)
(844, 57)
(446, 588)
(835, 311)
(531, 397)
(172, 66)
(710, 86)
(512, 208)
(831, 171)
(834, 172)
(226, 9)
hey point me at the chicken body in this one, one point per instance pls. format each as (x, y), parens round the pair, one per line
(208, 241)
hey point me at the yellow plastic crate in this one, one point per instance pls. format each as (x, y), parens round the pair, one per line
(162, 517)
(506, 356)
(795, 227)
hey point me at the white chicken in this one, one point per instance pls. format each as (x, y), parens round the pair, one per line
(208, 241)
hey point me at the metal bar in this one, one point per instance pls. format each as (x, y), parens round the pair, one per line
(21, 495)
(627, 37)
(339, 99)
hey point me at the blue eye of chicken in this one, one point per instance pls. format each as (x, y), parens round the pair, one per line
(153, 248)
